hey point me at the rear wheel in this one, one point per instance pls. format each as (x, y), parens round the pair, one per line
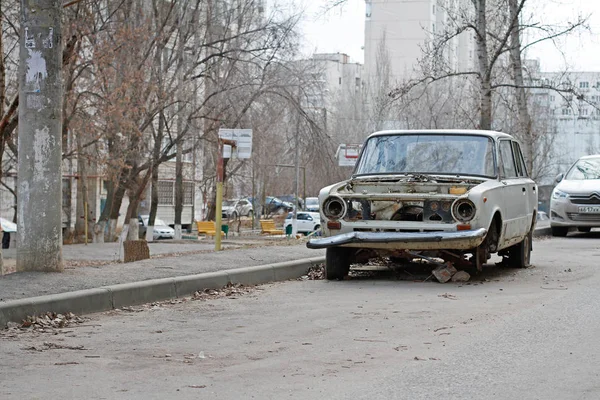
(519, 255)
(560, 231)
(584, 229)
(337, 263)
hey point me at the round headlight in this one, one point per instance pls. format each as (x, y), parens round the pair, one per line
(463, 210)
(334, 207)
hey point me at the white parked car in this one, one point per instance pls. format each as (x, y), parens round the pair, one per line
(160, 231)
(575, 201)
(308, 222)
(458, 195)
(312, 204)
(236, 208)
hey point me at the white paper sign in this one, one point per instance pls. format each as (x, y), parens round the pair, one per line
(243, 139)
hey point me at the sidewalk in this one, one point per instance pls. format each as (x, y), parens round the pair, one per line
(200, 258)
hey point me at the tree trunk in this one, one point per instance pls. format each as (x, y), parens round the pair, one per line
(39, 233)
(485, 91)
(153, 204)
(178, 187)
(525, 133)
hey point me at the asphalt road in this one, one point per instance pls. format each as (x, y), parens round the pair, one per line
(509, 334)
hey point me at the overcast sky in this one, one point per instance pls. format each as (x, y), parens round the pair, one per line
(342, 30)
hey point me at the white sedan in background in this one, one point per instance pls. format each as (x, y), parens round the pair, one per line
(575, 201)
(308, 222)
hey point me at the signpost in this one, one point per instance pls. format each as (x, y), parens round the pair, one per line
(347, 154)
(232, 142)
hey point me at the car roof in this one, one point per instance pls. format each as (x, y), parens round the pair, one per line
(493, 134)
(590, 157)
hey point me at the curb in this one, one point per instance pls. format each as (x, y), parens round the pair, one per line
(545, 231)
(106, 298)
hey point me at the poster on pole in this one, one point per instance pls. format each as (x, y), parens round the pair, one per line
(243, 139)
(347, 154)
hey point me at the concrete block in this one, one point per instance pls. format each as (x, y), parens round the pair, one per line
(444, 273)
(188, 285)
(292, 270)
(252, 275)
(79, 302)
(128, 294)
(461, 276)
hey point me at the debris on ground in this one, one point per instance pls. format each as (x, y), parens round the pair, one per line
(444, 273)
(461, 276)
(44, 322)
(230, 291)
(315, 273)
(53, 346)
(448, 296)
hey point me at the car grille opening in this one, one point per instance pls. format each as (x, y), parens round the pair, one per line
(584, 217)
(592, 199)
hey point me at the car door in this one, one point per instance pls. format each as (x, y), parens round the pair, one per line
(514, 195)
(530, 192)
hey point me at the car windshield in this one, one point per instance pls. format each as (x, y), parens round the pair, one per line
(587, 168)
(229, 203)
(159, 222)
(428, 154)
(312, 201)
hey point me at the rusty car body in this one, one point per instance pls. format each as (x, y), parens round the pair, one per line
(455, 195)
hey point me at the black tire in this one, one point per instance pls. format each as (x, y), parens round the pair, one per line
(519, 255)
(234, 215)
(337, 263)
(560, 231)
(584, 229)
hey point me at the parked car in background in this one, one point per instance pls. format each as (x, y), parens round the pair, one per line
(161, 229)
(312, 204)
(457, 195)
(236, 208)
(291, 201)
(274, 205)
(308, 222)
(575, 201)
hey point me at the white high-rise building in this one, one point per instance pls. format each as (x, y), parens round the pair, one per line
(406, 26)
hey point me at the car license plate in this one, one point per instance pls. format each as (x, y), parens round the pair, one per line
(589, 210)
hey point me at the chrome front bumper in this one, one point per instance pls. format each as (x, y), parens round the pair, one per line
(460, 240)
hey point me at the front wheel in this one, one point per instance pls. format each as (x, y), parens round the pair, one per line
(337, 263)
(519, 255)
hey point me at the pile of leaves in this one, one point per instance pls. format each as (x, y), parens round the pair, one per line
(315, 273)
(231, 290)
(50, 320)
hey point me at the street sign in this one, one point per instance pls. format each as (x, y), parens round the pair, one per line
(243, 139)
(347, 154)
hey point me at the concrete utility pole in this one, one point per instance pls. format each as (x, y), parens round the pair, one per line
(39, 207)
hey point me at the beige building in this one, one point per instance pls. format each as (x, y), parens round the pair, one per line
(405, 26)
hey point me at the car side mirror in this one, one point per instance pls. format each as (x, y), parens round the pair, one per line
(559, 177)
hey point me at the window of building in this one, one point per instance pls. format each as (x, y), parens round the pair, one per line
(188, 193)
(584, 85)
(433, 27)
(566, 111)
(552, 98)
(165, 193)
(340, 80)
(583, 111)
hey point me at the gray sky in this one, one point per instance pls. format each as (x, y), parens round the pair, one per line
(342, 30)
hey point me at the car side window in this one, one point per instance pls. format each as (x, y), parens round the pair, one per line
(301, 216)
(507, 159)
(521, 167)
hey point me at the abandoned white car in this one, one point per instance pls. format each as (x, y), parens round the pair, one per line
(455, 195)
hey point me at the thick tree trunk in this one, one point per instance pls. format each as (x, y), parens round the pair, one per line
(525, 133)
(485, 91)
(153, 204)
